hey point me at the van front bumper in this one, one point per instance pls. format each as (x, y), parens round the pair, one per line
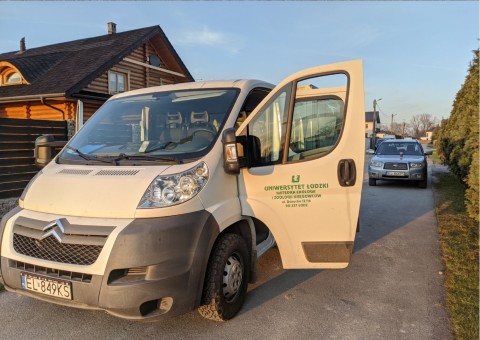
(156, 266)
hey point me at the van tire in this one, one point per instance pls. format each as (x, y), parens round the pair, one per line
(372, 182)
(226, 279)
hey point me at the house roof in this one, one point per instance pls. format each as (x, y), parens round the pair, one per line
(66, 68)
(369, 116)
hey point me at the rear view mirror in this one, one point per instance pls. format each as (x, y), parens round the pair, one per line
(428, 152)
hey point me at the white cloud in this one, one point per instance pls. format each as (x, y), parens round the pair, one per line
(206, 37)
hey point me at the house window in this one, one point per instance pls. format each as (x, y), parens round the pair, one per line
(117, 82)
(13, 78)
(7, 77)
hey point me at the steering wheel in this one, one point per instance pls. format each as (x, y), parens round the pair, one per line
(205, 130)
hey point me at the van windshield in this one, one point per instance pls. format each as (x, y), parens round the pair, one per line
(161, 126)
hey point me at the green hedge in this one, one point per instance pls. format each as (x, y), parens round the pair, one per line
(458, 137)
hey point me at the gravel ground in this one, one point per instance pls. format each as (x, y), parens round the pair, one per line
(7, 204)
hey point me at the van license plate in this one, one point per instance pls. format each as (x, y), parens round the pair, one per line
(395, 173)
(47, 286)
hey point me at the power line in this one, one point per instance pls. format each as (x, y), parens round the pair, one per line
(386, 115)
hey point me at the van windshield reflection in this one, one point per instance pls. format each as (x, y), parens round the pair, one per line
(168, 126)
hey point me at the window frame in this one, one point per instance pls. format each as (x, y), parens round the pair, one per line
(287, 89)
(293, 101)
(319, 154)
(290, 110)
(126, 76)
(6, 74)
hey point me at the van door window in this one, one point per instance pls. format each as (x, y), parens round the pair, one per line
(268, 128)
(318, 117)
(251, 102)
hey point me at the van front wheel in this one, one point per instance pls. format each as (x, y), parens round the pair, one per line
(226, 279)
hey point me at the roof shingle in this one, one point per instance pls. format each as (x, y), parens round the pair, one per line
(70, 66)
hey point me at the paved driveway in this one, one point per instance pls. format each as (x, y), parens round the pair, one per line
(391, 290)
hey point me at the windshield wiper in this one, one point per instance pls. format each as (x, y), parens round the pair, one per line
(87, 156)
(142, 157)
(169, 145)
(114, 159)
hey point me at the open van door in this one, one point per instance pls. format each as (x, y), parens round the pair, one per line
(305, 170)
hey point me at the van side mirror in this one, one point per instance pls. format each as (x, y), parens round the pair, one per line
(45, 148)
(43, 152)
(428, 152)
(231, 164)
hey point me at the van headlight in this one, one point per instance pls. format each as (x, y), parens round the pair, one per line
(167, 190)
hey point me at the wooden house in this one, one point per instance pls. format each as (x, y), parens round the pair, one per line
(54, 89)
(71, 80)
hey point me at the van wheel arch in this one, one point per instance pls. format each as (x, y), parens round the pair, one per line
(245, 228)
(226, 279)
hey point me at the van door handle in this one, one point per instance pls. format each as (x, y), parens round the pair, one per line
(347, 172)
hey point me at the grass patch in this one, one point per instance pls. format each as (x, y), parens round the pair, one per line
(459, 242)
(435, 158)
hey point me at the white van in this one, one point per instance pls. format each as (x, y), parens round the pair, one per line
(165, 199)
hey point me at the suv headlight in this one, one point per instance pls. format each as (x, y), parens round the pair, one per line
(417, 165)
(167, 190)
(376, 164)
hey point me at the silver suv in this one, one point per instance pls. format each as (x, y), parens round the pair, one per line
(399, 159)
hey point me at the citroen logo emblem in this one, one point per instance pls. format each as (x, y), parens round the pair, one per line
(54, 229)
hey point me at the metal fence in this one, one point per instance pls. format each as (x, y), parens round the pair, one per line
(17, 144)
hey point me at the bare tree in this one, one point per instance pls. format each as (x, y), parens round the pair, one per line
(422, 123)
(427, 122)
(415, 126)
(398, 128)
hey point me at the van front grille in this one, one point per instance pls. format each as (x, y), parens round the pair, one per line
(51, 250)
(59, 241)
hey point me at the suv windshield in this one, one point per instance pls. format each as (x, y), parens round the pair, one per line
(395, 148)
(162, 126)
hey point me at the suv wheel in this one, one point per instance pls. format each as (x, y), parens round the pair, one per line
(422, 184)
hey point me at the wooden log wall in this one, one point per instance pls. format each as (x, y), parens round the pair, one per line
(89, 108)
(17, 143)
(138, 76)
(36, 110)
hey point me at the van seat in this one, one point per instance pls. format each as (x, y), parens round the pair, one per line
(174, 126)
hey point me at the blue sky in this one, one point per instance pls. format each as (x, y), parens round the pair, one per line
(416, 54)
